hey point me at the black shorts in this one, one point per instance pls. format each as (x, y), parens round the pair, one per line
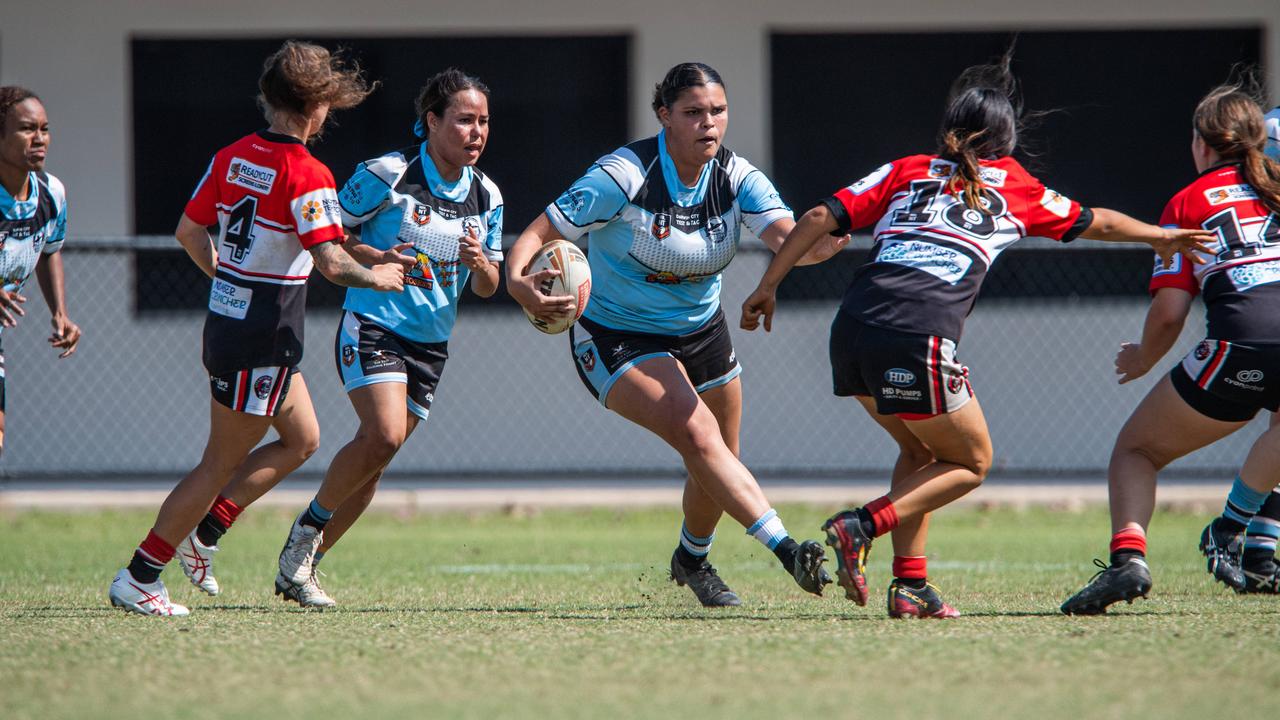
(1229, 382)
(367, 353)
(603, 354)
(1, 380)
(910, 375)
(255, 391)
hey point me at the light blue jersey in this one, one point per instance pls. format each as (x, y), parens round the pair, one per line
(401, 197)
(30, 228)
(1273, 134)
(657, 248)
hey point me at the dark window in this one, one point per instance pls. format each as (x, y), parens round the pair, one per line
(557, 104)
(844, 104)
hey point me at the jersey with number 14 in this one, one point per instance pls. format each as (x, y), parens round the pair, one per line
(931, 252)
(1240, 279)
(272, 201)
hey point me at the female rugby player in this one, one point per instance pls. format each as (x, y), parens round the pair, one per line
(1228, 377)
(277, 212)
(33, 222)
(391, 349)
(663, 217)
(940, 221)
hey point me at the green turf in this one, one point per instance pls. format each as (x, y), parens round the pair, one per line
(569, 614)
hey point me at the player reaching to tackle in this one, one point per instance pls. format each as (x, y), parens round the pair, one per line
(663, 217)
(430, 200)
(33, 222)
(940, 221)
(277, 212)
(1227, 378)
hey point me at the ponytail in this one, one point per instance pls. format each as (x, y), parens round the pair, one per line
(960, 147)
(1229, 120)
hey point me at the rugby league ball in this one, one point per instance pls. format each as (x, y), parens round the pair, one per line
(574, 279)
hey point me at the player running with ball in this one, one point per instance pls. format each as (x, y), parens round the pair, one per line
(940, 221)
(663, 216)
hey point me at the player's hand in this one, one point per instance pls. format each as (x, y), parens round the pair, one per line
(530, 292)
(826, 248)
(471, 252)
(10, 308)
(396, 255)
(761, 303)
(1129, 363)
(66, 335)
(388, 277)
(1185, 242)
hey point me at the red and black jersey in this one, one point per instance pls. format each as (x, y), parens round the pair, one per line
(272, 201)
(1240, 279)
(931, 252)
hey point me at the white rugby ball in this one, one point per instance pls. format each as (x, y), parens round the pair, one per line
(574, 279)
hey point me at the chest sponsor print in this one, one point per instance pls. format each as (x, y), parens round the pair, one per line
(683, 245)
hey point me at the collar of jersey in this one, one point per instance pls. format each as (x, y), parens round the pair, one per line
(455, 191)
(280, 138)
(683, 196)
(19, 209)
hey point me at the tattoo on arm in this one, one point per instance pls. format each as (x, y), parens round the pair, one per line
(338, 266)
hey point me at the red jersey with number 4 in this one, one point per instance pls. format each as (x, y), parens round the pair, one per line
(272, 202)
(1241, 277)
(930, 251)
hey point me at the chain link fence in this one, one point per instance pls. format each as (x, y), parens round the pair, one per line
(133, 401)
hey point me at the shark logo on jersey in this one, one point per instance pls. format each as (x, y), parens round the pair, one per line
(421, 213)
(251, 177)
(661, 228)
(471, 226)
(716, 230)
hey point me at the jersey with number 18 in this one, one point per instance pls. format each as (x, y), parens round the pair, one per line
(273, 202)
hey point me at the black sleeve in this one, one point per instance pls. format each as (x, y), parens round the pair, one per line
(839, 213)
(1081, 224)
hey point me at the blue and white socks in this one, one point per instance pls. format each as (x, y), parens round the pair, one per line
(693, 550)
(315, 515)
(769, 531)
(1264, 529)
(1242, 504)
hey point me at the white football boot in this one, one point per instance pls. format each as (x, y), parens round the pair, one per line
(143, 598)
(299, 551)
(308, 594)
(196, 559)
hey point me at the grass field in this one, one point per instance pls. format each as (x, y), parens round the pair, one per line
(569, 614)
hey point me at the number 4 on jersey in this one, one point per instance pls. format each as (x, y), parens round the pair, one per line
(238, 235)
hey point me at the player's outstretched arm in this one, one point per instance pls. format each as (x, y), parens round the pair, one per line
(524, 288)
(341, 269)
(813, 225)
(195, 239)
(1114, 226)
(826, 248)
(49, 274)
(1165, 318)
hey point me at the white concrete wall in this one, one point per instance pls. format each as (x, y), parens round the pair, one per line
(74, 53)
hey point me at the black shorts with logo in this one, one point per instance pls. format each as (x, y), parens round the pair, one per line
(255, 391)
(1229, 382)
(602, 355)
(909, 375)
(367, 353)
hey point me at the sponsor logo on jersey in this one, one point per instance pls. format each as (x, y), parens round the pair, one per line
(943, 263)
(871, 180)
(588, 359)
(900, 377)
(220, 384)
(229, 299)
(312, 210)
(940, 169)
(1229, 194)
(661, 227)
(1254, 274)
(1249, 376)
(716, 229)
(262, 387)
(620, 351)
(954, 383)
(348, 355)
(572, 201)
(421, 213)
(420, 275)
(894, 393)
(1203, 350)
(251, 177)
(317, 209)
(1056, 203)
